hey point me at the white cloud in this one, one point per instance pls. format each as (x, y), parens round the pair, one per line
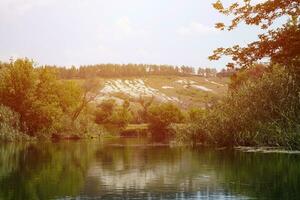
(195, 28)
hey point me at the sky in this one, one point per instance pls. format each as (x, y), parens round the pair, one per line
(78, 32)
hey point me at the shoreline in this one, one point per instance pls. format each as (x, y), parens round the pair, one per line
(265, 149)
(244, 149)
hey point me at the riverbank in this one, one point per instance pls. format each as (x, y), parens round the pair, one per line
(265, 149)
(146, 140)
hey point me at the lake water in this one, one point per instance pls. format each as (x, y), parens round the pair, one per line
(130, 169)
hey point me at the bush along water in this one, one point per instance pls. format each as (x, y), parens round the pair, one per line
(10, 125)
(262, 111)
(43, 104)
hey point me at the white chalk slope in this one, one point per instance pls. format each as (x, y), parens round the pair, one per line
(135, 89)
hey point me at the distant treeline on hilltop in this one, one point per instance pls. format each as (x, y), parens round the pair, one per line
(119, 70)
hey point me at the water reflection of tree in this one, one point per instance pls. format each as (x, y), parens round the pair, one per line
(9, 158)
(47, 171)
(262, 176)
(44, 171)
(152, 170)
(210, 172)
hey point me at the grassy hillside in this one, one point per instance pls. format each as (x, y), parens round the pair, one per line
(187, 92)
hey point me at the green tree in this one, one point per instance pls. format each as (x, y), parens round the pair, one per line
(17, 85)
(37, 96)
(122, 116)
(89, 88)
(44, 111)
(10, 125)
(161, 116)
(145, 103)
(105, 110)
(263, 111)
(246, 74)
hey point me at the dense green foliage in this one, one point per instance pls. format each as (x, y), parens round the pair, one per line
(10, 125)
(145, 104)
(122, 116)
(246, 74)
(161, 116)
(105, 110)
(45, 104)
(110, 113)
(128, 70)
(264, 111)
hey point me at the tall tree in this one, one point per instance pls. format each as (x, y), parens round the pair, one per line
(37, 95)
(89, 93)
(18, 83)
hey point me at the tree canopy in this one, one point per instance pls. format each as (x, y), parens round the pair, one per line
(280, 45)
(37, 96)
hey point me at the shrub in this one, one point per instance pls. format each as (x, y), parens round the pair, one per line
(244, 75)
(10, 125)
(196, 114)
(161, 116)
(110, 113)
(105, 110)
(184, 133)
(264, 111)
(37, 96)
(121, 117)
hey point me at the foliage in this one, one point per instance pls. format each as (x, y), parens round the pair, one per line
(41, 100)
(184, 133)
(162, 115)
(110, 113)
(264, 111)
(105, 110)
(145, 103)
(83, 127)
(207, 72)
(262, 107)
(122, 116)
(10, 125)
(70, 95)
(195, 114)
(244, 75)
(117, 70)
(281, 45)
(89, 93)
